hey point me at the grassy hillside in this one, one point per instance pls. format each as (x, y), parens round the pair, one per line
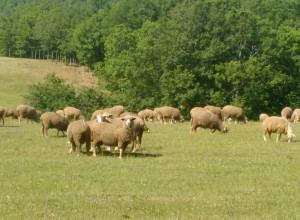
(17, 74)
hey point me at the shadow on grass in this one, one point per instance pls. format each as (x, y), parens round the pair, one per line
(9, 126)
(127, 154)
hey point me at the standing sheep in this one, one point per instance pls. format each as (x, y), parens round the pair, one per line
(97, 112)
(287, 113)
(262, 117)
(296, 115)
(277, 125)
(28, 112)
(139, 126)
(207, 119)
(73, 112)
(112, 135)
(2, 112)
(79, 132)
(11, 112)
(146, 115)
(215, 110)
(53, 120)
(230, 112)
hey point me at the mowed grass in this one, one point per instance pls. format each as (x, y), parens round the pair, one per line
(175, 176)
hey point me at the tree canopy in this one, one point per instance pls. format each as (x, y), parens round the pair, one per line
(173, 52)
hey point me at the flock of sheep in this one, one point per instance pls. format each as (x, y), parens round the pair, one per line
(114, 127)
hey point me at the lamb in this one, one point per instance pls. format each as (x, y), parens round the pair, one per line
(207, 119)
(296, 115)
(79, 132)
(262, 117)
(61, 113)
(11, 112)
(53, 120)
(25, 111)
(146, 115)
(214, 109)
(116, 110)
(113, 135)
(287, 113)
(2, 112)
(73, 112)
(230, 112)
(169, 112)
(277, 125)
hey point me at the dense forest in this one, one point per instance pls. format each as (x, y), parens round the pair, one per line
(181, 53)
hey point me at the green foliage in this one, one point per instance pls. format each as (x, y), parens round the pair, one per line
(52, 94)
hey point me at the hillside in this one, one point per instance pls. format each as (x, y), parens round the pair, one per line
(17, 74)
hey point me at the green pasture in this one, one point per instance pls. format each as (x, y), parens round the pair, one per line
(175, 176)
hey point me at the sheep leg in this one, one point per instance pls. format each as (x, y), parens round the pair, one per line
(278, 137)
(46, 132)
(269, 135)
(235, 122)
(2, 120)
(43, 130)
(88, 146)
(57, 133)
(264, 135)
(94, 149)
(71, 145)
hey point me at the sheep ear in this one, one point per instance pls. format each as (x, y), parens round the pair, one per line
(133, 118)
(122, 119)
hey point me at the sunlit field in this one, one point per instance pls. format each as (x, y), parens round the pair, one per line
(174, 175)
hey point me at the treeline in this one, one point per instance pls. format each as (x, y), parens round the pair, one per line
(173, 52)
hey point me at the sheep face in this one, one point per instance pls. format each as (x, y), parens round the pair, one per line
(104, 117)
(224, 128)
(128, 120)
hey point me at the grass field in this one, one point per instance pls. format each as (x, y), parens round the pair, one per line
(175, 176)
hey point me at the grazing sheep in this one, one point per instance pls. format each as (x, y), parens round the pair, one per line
(262, 117)
(287, 113)
(277, 125)
(73, 112)
(11, 112)
(157, 115)
(79, 132)
(61, 113)
(197, 109)
(207, 119)
(173, 114)
(112, 134)
(214, 109)
(28, 112)
(296, 115)
(116, 110)
(2, 112)
(146, 115)
(53, 120)
(139, 126)
(230, 112)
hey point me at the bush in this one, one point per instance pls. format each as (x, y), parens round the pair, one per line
(54, 94)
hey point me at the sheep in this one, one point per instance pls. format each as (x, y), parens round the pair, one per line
(113, 135)
(139, 126)
(39, 113)
(61, 113)
(79, 132)
(277, 125)
(11, 112)
(296, 115)
(287, 113)
(128, 113)
(169, 112)
(230, 112)
(97, 112)
(262, 117)
(207, 119)
(53, 120)
(2, 112)
(214, 109)
(25, 111)
(157, 115)
(116, 110)
(146, 115)
(73, 112)
(196, 109)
